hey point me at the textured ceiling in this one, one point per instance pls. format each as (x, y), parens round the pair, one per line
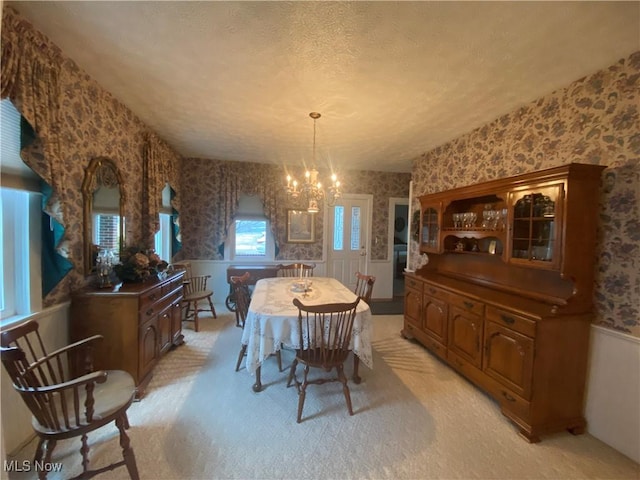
(237, 80)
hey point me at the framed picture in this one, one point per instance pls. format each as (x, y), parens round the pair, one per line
(300, 226)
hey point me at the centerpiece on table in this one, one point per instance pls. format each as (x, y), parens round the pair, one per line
(138, 264)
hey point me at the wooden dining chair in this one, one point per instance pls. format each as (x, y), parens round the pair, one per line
(240, 286)
(364, 286)
(66, 397)
(324, 336)
(296, 270)
(195, 292)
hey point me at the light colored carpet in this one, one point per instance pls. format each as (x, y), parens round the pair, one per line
(414, 419)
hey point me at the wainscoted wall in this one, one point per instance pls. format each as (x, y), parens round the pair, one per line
(613, 390)
(91, 123)
(16, 417)
(594, 120)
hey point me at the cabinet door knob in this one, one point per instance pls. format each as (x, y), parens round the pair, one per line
(508, 319)
(508, 397)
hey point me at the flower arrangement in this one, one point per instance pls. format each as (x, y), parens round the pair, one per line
(138, 264)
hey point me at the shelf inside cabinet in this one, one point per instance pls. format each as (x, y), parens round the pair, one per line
(550, 218)
(486, 243)
(475, 232)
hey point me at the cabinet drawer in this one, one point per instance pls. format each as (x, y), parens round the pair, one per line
(510, 320)
(465, 368)
(168, 287)
(467, 304)
(436, 292)
(147, 298)
(412, 283)
(508, 399)
(436, 347)
(151, 309)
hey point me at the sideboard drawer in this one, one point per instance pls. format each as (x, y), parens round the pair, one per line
(436, 292)
(414, 284)
(466, 303)
(149, 297)
(513, 321)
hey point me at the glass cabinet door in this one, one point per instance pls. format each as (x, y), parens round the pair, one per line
(536, 221)
(430, 231)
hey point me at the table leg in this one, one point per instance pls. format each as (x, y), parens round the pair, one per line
(356, 365)
(257, 387)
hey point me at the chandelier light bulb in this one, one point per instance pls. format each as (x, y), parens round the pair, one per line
(311, 189)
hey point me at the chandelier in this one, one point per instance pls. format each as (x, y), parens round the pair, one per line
(311, 189)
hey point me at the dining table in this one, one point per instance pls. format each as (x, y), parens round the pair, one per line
(272, 319)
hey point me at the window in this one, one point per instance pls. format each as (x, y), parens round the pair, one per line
(164, 239)
(338, 227)
(21, 217)
(355, 228)
(250, 235)
(162, 244)
(250, 238)
(20, 243)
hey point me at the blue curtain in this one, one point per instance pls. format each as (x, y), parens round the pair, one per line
(176, 244)
(54, 265)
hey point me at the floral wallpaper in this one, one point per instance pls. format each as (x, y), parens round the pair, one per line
(89, 123)
(203, 224)
(594, 120)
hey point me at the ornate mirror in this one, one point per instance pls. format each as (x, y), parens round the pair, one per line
(104, 201)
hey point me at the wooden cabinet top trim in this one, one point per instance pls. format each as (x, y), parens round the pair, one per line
(128, 289)
(577, 170)
(516, 304)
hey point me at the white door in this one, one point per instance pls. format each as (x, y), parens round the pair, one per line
(348, 238)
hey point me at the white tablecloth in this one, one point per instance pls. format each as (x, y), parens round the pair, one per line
(273, 318)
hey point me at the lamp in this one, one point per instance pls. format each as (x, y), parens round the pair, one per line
(311, 189)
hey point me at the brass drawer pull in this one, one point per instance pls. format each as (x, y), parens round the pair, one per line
(508, 397)
(507, 319)
(150, 312)
(469, 305)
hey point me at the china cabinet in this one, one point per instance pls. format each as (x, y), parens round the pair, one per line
(139, 322)
(506, 297)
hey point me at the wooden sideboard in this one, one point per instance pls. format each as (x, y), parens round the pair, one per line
(139, 322)
(506, 298)
(256, 272)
